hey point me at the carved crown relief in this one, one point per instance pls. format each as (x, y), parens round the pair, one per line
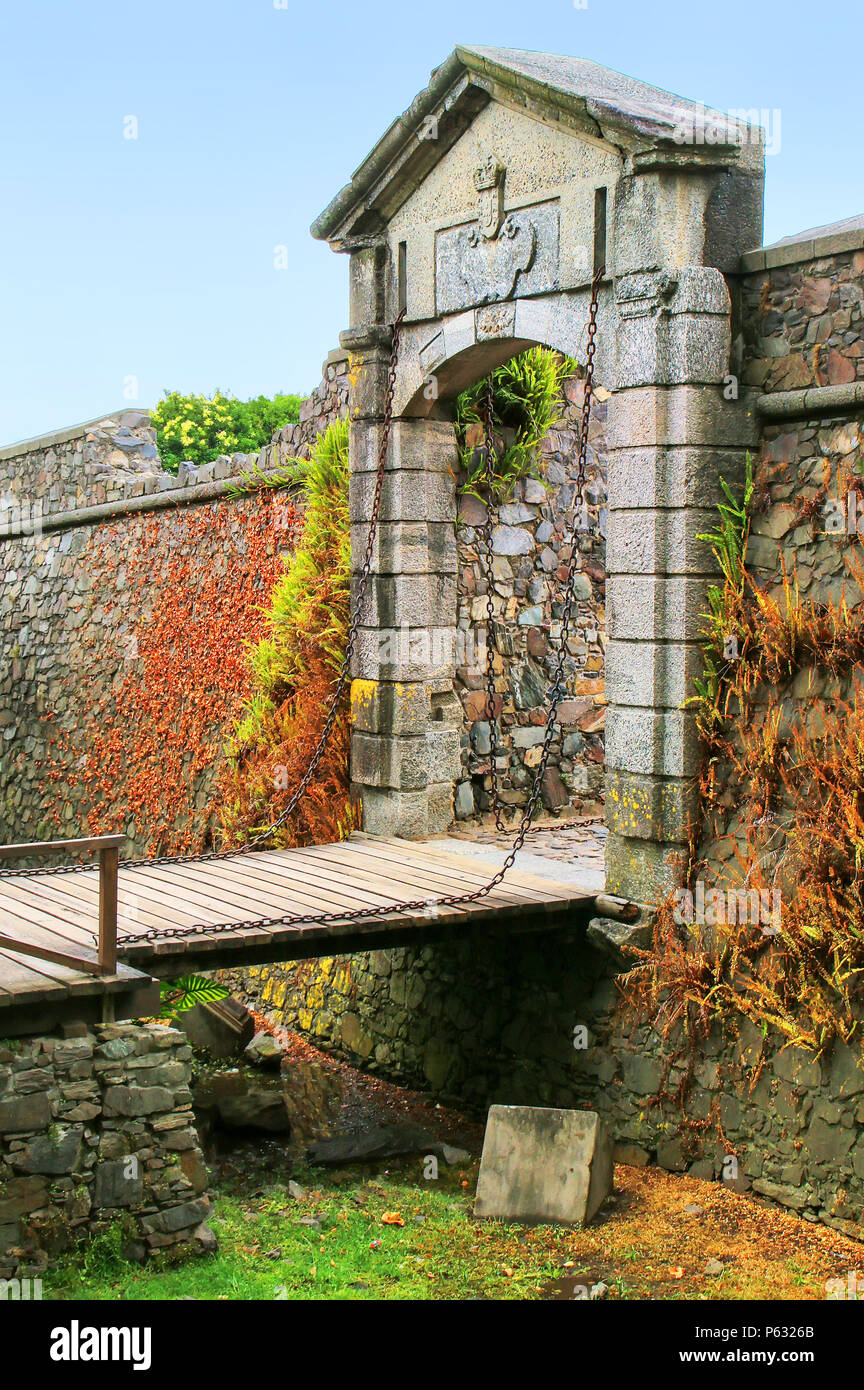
(499, 248)
(489, 182)
(482, 262)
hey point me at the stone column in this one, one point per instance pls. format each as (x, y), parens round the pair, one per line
(406, 718)
(674, 430)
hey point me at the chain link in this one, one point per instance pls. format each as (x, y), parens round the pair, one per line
(488, 566)
(590, 350)
(426, 906)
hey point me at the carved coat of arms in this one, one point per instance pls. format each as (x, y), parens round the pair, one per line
(492, 254)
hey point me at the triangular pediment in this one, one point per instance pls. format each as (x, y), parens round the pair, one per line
(574, 95)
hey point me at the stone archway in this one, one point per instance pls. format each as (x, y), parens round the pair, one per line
(483, 213)
(531, 536)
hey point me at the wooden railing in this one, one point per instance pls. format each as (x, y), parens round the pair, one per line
(104, 962)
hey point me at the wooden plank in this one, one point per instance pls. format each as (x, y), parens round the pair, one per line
(537, 882)
(400, 874)
(546, 889)
(393, 862)
(19, 979)
(367, 892)
(27, 948)
(82, 889)
(153, 887)
(219, 902)
(108, 907)
(318, 879)
(288, 887)
(28, 984)
(51, 947)
(93, 842)
(75, 925)
(162, 905)
(353, 890)
(442, 881)
(417, 886)
(18, 967)
(275, 936)
(275, 885)
(27, 922)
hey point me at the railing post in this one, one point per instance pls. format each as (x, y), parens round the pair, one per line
(109, 858)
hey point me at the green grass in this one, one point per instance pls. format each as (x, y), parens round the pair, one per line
(440, 1252)
(647, 1245)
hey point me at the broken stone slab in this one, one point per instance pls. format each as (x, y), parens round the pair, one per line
(390, 1141)
(264, 1051)
(222, 1028)
(260, 1111)
(616, 940)
(543, 1166)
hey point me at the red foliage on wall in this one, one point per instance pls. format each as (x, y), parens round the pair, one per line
(175, 600)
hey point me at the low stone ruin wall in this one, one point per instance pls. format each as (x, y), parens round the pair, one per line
(94, 1129)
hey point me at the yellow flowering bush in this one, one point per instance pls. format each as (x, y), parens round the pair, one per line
(200, 428)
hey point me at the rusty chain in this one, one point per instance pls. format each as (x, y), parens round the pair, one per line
(488, 565)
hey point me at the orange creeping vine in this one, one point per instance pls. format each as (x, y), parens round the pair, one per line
(174, 601)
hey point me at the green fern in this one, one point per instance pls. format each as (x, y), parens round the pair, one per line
(279, 660)
(728, 543)
(526, 393)
(185, 992)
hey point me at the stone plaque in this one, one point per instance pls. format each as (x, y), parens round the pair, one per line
(541, 1165)
(472, 269)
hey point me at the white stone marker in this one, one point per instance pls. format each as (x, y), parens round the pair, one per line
(541, 1165)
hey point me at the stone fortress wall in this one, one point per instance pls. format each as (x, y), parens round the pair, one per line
(75, 507)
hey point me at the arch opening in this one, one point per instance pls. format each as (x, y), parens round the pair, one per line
(534, 528)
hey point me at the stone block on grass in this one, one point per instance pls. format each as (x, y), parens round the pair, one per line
(543, 1166)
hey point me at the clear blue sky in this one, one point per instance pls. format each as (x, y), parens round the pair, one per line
(154, 258)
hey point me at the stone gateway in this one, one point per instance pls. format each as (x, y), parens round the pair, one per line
(484, 213)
